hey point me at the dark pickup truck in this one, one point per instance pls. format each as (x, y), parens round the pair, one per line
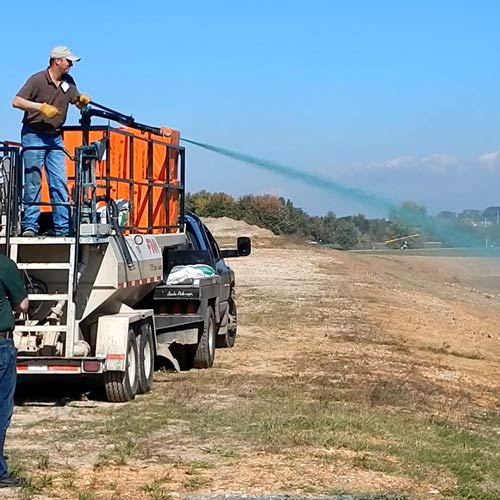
(196, 316)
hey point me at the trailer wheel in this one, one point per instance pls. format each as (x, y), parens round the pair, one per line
(228, 339)
(121, 386)
(205, 350)
(146, 354)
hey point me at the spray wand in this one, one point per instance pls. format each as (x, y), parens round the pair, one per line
(101, 111)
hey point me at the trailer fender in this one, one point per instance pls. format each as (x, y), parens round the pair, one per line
(112, 337)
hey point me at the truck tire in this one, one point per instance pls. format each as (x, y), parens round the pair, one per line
(146, 354)
(228, 339)
(121, 386)
(204, 353)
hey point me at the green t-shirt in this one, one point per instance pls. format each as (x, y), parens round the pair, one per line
(12, 291)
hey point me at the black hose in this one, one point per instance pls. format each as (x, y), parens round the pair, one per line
(112, 115)
(112, 209)
(34, 285)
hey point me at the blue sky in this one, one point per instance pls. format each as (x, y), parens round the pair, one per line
(399, 98)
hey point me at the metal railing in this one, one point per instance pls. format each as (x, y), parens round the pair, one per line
(87, 187)
(106, 182)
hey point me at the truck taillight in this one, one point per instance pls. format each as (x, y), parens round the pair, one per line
(91, 366)
(177, 307)
(162, 308)
(192, 307)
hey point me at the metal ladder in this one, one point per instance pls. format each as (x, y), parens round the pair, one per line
(44, 244)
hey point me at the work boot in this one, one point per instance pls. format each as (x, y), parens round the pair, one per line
(29, 233)
(10, 482)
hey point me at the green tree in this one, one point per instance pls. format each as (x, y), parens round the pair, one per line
(197, 202)
(324, 228)
(266, 211)
(221, 205)
(346, 234)
(207, 204)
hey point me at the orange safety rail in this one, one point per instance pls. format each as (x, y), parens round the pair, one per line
(137, 167)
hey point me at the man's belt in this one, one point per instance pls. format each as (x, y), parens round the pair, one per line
(6, 334)
(34, 129)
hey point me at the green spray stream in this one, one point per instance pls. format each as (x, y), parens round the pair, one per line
(306, 177)
(422, 221)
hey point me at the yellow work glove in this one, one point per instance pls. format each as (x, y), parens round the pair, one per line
(48, 110)
(82, 100)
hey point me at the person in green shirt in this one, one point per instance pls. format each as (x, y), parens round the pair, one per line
(13, 297)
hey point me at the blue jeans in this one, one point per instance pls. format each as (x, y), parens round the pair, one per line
(7, 388)
(55, 169)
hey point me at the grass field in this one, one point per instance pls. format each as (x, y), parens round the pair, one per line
(319, 397)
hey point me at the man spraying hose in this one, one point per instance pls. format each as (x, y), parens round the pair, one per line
(45, 98)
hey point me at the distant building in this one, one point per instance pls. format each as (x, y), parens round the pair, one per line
(446, 214)
(492, 214)
(471, 215)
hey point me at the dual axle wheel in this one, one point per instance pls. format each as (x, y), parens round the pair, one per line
(121, 386)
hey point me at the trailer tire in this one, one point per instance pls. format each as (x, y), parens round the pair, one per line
(228, 339)
(204, 353)
(121, 386)
(146, 355)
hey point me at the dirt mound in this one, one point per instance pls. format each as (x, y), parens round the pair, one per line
(224, 227)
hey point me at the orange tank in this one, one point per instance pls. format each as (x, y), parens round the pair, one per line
(136, 164)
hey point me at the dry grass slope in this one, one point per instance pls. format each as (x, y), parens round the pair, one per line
(351, 374)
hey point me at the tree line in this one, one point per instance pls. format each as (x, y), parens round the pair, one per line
(282, 217)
